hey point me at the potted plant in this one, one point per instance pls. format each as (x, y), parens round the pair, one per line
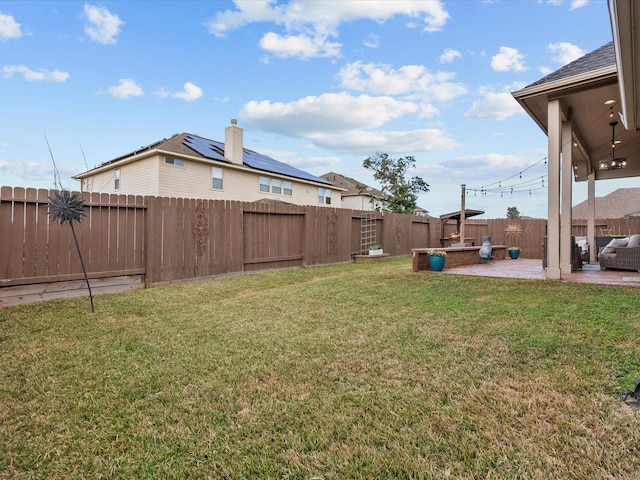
(375, 250)
(513, 230)
(437, 259)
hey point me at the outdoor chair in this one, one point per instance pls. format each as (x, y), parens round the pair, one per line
(576, 255)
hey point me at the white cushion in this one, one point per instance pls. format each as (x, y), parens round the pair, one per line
(634, 241)
(582, 243)
(616, 242)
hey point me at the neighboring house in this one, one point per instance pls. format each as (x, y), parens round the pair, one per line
(357, 195)
(421, 212)
(622, 203)
(189, 166)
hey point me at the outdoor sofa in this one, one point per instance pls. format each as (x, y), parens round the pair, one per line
(621, 253)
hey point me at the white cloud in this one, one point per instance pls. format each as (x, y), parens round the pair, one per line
(496, 105)
(411, 81)
(103, 26)
(565, 52)
(372, 41)
(299, 46)
(190, 93)
(305, 162)
(30, 171)
(333, 112)
(9, 28)
(345, 123)
(367, 142)
(449, 55)
(508, 60)
(162, 93)
(575, 4)
(309, 24)
(126, 88)
(29, 75)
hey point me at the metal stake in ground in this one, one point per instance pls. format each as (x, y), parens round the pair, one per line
(68, 208)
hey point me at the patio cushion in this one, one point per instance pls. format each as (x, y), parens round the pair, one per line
(616, 242)
(634, 241)
(582, 243)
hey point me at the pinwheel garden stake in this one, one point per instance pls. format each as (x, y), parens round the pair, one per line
(69, 208)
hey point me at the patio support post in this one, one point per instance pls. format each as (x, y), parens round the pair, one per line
(554, 113)
(463, 217)
(591, 217)
(566, 192)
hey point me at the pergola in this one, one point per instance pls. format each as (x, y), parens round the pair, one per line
(576, 107)
(459, 217)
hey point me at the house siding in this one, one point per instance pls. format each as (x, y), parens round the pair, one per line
(358, 202)
(137, 178)
(193, 179)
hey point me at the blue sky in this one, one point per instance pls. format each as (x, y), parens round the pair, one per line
(321, 85)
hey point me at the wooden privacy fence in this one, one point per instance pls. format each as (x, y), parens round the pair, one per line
(132, 241)
(38, 258)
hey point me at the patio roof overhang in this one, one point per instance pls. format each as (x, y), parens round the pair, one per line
(583, 98)
(625, 15)
(576, 107)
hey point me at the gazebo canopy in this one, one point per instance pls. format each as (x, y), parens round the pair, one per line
(457, 216)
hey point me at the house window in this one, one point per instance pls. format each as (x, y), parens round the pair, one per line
(324, 196)
(216, 175)
(116, 177)
(276, 186)
(174, 161)
(264, 184)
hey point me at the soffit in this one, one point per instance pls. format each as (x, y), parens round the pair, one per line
(583, 100)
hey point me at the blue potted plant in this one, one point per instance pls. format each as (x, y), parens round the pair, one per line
(513, 230)
(437, 259)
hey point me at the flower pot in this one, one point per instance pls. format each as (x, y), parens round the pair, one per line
(514, 254)
(376, 252)
(436, 263)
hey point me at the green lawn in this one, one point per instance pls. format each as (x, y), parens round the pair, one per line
(352, 371)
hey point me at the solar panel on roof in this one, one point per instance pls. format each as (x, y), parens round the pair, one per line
(205, 148)
(215, 151)
(268, 164)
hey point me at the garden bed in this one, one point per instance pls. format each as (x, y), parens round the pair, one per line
(456, 256)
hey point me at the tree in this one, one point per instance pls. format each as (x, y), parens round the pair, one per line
(402, 193)
(513, 213)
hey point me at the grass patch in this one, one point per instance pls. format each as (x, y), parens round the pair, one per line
(351, 371)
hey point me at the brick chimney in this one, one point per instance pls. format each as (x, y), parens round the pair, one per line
(233, 143)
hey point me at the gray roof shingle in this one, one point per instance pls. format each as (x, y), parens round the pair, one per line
(621, 203)
(353, 187)
(604, 56)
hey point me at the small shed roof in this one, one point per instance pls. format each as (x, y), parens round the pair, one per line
(457, 216)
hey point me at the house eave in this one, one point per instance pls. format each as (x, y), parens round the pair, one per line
(529, 96)
(624, 16)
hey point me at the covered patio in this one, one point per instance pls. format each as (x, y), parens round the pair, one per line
(531, 269)
(590, 112)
